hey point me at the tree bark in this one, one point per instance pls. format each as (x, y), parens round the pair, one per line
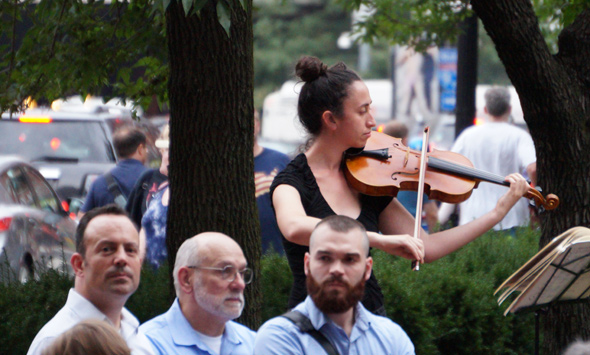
(211, 130)
(466, 74)
(554, 92)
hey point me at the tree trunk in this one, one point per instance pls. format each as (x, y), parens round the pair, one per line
(466, 75)
(211, 130)
(554, 92)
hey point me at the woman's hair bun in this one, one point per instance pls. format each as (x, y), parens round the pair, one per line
(310, 68)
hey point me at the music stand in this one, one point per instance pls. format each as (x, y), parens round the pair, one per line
(558, 273)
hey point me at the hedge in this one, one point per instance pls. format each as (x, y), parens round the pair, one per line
(447, 307)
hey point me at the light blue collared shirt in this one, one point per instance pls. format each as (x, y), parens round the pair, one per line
(171, 333)
(371, 334)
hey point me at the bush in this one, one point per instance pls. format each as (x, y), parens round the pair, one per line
(447, 307)
(25, 308)
(276, 285)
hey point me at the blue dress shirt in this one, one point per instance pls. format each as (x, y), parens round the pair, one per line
(371, 334)
(171, 333)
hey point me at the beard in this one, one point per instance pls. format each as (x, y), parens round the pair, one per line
(335, 300)
(215, 304)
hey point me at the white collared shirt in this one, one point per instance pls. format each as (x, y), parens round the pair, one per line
(78, 308)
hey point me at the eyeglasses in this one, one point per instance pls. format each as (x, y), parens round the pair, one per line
(229, 273)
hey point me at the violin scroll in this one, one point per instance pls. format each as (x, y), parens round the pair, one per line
(550, 202)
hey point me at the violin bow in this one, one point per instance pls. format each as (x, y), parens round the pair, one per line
(418, 224)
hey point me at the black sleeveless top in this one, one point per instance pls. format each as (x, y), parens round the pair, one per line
(299, 175)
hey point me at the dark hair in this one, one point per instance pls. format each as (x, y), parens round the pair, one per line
(85, 220)
(342, 224)
(324, 89)
(396, 129)
(127, 139)
(497, 101)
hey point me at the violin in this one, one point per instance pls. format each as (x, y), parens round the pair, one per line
(385, 166)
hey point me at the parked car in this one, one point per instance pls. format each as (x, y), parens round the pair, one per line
(36, 233)
(70, 149)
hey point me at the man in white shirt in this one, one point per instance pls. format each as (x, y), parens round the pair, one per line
(497, 147)
(210, 274)
(107, 268)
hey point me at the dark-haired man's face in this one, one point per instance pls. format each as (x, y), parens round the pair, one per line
(110, 268)
(336, 268)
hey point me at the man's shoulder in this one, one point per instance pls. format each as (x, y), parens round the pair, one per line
(154, 326)
(275, 154)
(388, 331)
(269, 159)
(279, 336)
(384, 323)
(99, 184)
(63, 320)
(278, 324)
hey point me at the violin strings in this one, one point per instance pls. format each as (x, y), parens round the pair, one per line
(466, 171)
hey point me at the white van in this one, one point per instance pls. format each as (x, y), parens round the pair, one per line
(281, 129)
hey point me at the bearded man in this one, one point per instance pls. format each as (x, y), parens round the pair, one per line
(337, 267)
(210, 274)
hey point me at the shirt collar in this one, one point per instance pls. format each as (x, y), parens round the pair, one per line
(83, 307)
(87, 310)
(129, 161)
(319, 319)
(183, 333)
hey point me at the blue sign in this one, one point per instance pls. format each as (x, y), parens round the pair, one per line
(447, 74)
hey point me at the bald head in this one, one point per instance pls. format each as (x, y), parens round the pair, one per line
(204, 248)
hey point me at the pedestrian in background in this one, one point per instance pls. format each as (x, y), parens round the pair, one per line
(151, 182)
(115, 186)
(267, 164)
(497, 147)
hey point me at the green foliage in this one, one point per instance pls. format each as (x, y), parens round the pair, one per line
(154, 294)
(423, 22)
(276, 284)
(78, 47)
(448, 307)
(25, 308)
(418, 23)
(490, 69)
(284, 31)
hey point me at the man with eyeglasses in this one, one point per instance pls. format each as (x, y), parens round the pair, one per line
(210, 274)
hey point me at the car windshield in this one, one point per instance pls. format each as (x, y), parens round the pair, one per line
(68, 141)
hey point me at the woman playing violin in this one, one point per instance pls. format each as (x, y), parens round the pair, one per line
(334, 107)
